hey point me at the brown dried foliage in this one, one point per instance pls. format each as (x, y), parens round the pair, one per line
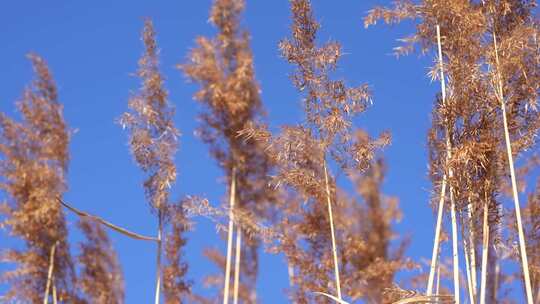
(370, 259)
(101, 277)
(153, 136)
(154, 142)
(33, 166)
(223, 67)
(246, 292)
(175, 286)
(300, 153)
(472, 113)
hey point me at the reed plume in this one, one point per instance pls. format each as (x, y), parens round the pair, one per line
(223, 67)
(153, 141)
(33, 167)
(370, 255)
(176, 288)
(514, 70)
(304, 155)
(100, 278)
(474, 114)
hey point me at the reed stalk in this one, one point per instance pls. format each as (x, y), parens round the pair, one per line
(105, 223)
(49, 273)
(330, 216)
(455, 252)
(485, 249)
(54, 297)
(237, 264)
(158, 256)
(472, 250)
(442, 197)
(466, 251)
(522, 245)
(232, 197)
(438, 282)
(436, 241)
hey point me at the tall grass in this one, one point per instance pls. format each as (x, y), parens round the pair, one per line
(283, 187)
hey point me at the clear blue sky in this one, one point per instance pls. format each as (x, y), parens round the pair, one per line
(92, 48)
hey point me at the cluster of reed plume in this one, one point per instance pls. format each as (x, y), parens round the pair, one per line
(283, 191)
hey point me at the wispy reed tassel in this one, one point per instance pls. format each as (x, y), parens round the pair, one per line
(49, 273)
(237, 265)
(522, 245)
(232, 198)
(334, 247)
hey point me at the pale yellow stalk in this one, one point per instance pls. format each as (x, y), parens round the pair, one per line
(237, 265)
(158, 258)
(290, 271)
(485, 250)
(436, 241)
(441, 203)
(455, 251)
(232, 197)
(49, 273)
(522, 245)
(334, 247)
(55, 299)
(438, 282)
(472, 249)
(467, 266)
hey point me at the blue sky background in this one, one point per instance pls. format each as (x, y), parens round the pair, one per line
(92, 48)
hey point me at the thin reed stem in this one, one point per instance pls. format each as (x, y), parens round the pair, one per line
(101, 221)
(485, 249)
(472, 249)
(522, 245)
(290, 271)
(232, 197)
(441, 203)
(49, 273)
(237, 264)
(438, 282)
(330, 216)
(158, 256)
(466, 251)
(436, 241)
(55, 299)
(455, 252)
